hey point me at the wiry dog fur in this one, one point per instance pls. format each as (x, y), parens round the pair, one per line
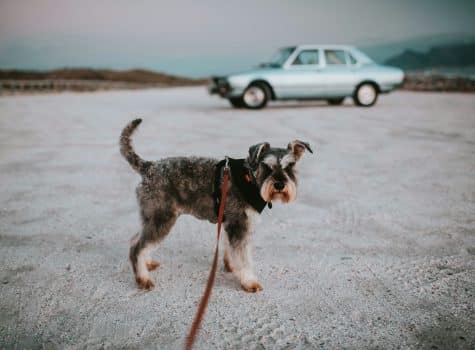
(184, 185)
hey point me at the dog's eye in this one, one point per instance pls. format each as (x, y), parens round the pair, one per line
(266, 167)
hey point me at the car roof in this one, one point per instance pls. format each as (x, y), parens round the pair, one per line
(324, 46)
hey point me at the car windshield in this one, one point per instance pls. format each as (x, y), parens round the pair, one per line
(280, 57)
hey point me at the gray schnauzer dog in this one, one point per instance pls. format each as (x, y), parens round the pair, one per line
(191, 185)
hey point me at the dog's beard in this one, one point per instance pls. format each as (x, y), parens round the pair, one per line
(270, 194)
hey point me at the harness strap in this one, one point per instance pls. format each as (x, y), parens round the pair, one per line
(195, 326)
(243, 181)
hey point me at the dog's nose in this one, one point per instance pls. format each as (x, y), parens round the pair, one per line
(279, 186)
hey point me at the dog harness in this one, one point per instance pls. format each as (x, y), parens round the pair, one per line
(243, 179)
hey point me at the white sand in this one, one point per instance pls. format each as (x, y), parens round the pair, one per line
(377, 252)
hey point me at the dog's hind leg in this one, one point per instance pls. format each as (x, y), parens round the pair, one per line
(155, 229)
(138, 254)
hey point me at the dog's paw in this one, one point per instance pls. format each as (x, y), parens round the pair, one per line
(227, 265)
(252, 286)
(152, 265)
(146, 284)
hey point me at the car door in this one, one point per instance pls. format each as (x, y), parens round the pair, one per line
(300, 77)
(338, 73)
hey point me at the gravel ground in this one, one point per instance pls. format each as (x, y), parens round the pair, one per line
(376, 253)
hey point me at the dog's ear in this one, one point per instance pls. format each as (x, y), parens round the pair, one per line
(256, 151)
(298, 148)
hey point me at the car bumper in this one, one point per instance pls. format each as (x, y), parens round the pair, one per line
(219, 86)
(394, 82)
(390, 87)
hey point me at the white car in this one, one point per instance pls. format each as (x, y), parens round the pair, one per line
(328, 72)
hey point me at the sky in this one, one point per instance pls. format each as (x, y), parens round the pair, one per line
(199, 38)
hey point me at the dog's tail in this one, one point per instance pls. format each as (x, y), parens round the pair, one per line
(127, 150)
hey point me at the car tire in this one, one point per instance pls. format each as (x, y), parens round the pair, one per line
(256, 96)
(365, 95)
(336, 101)
(236, 102)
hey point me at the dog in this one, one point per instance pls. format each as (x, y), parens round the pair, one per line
(191, 185)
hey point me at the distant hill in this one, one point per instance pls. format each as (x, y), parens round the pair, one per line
(383, 50)
(460, 55)
(129, 76)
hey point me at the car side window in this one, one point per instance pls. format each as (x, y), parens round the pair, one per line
(306, 57)
(353, 60)
(335, 57)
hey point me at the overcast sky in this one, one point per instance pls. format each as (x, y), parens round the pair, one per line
(203, 37)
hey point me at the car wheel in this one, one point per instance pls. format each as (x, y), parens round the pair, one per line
(365, 95)
(256, 96)
(236, 102)
(336, 101)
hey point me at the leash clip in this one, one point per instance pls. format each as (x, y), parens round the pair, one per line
(226, 164)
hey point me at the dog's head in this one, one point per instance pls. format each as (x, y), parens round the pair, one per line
(274, 169)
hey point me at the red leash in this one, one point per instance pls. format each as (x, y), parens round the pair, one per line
(195, 326)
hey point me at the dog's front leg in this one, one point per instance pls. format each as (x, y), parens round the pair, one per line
(238, 255)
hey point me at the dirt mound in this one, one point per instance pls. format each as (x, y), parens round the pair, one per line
(132, 76)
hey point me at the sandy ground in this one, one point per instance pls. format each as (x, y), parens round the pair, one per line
(377, 252)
